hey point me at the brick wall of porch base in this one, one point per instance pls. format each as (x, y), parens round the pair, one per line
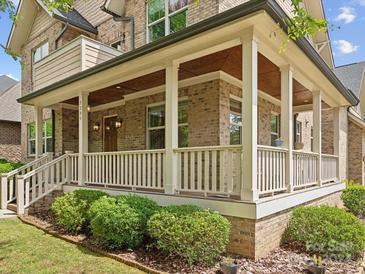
(256, 238)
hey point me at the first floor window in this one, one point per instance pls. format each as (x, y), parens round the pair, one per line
(156, 126)
(235, 122)
(275, 127)
(312, 140)
(47, 137)
(165, 17)
(298, 132)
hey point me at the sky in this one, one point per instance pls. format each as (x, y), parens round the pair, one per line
(347, 36)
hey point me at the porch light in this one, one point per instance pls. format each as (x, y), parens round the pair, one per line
(96, 127)
(118, 124)
(88, 108)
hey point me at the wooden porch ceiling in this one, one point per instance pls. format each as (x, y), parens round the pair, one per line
(228, 60)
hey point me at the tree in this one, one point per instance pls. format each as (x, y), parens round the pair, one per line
(301, 25)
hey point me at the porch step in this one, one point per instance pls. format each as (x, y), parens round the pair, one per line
(12, 207)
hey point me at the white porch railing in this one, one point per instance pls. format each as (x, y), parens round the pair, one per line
(304, 169)
(142, 169)
(271, 162)
(8, 180)
(36, 184)
(73, 168)
(210, 170)
(330, 168)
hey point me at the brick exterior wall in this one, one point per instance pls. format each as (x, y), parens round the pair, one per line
(356, 152)
(10, 144)
(256, 238)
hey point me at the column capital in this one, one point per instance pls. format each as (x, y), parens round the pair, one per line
(248, 35)
(286, 67)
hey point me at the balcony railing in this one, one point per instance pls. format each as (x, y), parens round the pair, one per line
(80, 54)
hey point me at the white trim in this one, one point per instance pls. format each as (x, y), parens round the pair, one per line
(263, 208)
(356, 120)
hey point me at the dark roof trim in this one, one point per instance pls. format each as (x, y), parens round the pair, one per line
(85, 27)
(270, 6)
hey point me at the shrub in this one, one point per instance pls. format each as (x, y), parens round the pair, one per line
(198, 236)
(72, 208)
(326, 230)
(115, 224)
(353, 198)
(182, 210)
(143, 206)
(6, 167)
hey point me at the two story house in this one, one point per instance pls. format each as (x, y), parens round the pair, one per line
(184, 102)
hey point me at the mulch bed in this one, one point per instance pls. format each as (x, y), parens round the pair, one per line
(282, 260)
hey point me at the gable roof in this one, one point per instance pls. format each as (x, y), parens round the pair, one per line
(27, 11)
(6, 82)
(10, 109)
(351, 76)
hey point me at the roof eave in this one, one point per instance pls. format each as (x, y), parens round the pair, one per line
(270, 6)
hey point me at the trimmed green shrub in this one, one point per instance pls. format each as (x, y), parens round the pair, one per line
(142, 205)
(182, 210)
(353, 198)
(190, 233)
(326, 230)
(72, 208)
(6, 167)
(115, 224)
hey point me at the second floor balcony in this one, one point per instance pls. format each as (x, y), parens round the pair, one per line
(80, 54)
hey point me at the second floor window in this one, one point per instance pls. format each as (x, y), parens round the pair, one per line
(40, 52)
(165, 17)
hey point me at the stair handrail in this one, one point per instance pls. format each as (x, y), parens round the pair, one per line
(23, 200)
(6, 176)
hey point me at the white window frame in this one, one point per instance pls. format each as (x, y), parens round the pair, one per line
(298, 131)
(272, 133)
(115, 42)
(148, 128)
(38, 47)
(44, 137)
(166, 16)
(239, 124)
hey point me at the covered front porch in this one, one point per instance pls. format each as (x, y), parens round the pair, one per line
(198, 118)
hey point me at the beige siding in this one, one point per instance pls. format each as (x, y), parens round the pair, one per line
(91, 11)
(96, 55)
(41, 23)
(51, 70)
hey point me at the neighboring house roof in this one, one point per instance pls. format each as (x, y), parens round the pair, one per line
(10, 109)
(270, 6)
(27, 11)
(351, 76)
(6, 82)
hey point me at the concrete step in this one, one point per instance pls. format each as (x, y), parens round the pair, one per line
(12, 207)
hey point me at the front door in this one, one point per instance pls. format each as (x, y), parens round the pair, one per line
(110, 134)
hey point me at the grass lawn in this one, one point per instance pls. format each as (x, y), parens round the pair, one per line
(25, 249)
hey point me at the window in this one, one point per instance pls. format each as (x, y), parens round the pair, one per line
(298, 132)
(117, 45)
(275, 127)
(235, 122)
(47, 137)
(165, 17)
(40, 52)
(156, 126)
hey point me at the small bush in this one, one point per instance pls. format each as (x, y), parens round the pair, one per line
(72, 208)
(6, 167)
(326, 230)
(143, 206)
(191, 233)
(115, 224)
(353, 198)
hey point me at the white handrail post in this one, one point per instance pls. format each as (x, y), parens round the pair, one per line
(68, 166)
(83, 135)
(171, 127)
(317, 131)
(20, 195)
(4, 191)
(38, 131)
(286, 125)
(249, 189)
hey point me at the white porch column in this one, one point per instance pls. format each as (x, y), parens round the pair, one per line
(249, 189)
(171, 127)
(317, 131)
(38, 131)
(286, 125)
(83, 135)
(340, 140)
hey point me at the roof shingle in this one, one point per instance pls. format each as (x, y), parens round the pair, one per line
(351, 76)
